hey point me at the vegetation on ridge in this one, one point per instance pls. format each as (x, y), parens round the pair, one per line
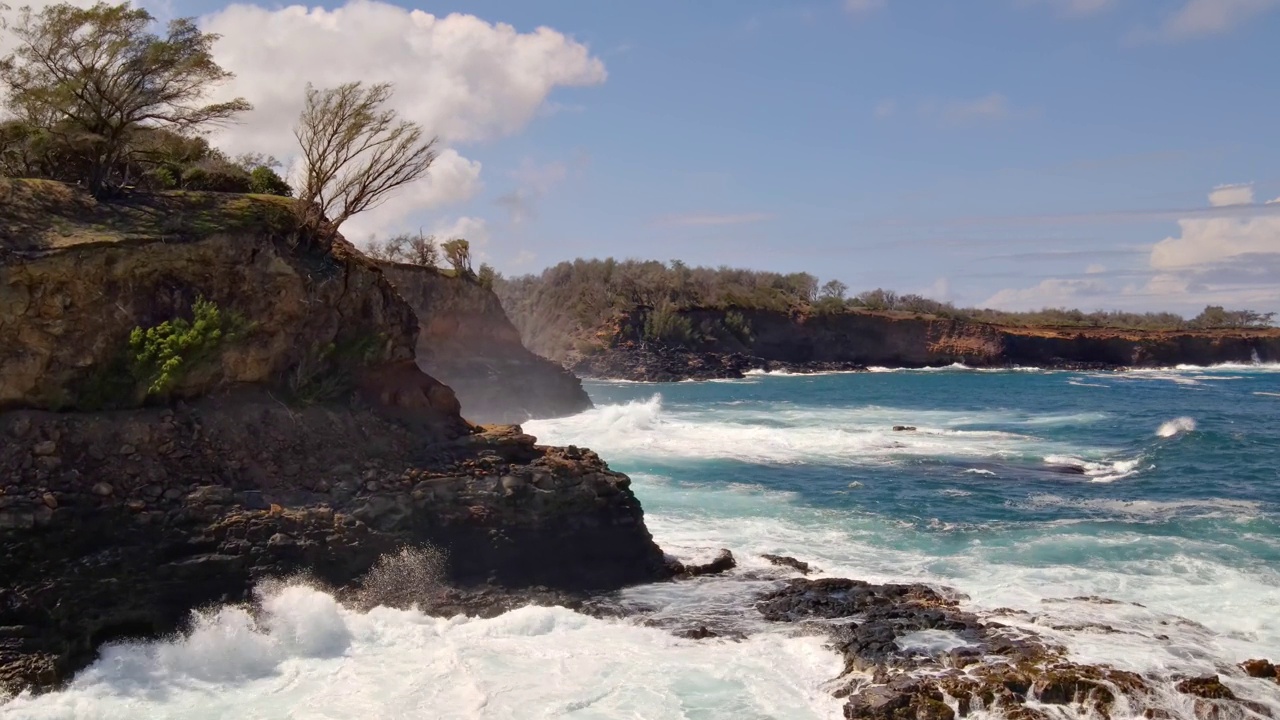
(563, 309)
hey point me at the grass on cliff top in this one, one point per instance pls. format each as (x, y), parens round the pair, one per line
(44, 214)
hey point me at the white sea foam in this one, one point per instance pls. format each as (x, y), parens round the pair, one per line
(1099, 472)
(1267, 394)
(1176, 426)
(803, 434)
(309, 657)
(1154, 509)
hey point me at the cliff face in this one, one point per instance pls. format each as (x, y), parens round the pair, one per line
(848, 340)
(467, 342)
(303, 438)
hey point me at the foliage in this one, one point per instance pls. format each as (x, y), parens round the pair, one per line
(458, 252)
(738, 326)
(665, 324)
(560, 304)
(412, 249)
(1215, 316)
(355, 152)
(92, 79)
(487, 276)
(265, 181)
(833, 290)
(327, 372)
(164, 353)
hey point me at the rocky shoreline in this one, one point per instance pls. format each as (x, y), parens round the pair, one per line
(119, 524)
(657, 363)
(913, 651)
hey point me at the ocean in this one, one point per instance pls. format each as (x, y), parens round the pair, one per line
(1030, 490)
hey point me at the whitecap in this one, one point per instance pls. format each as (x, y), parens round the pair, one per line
(1176, 426)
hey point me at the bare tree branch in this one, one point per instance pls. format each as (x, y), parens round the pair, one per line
(355, 151)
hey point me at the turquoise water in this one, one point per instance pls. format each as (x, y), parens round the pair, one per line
(1020, 489)
(1025, 491)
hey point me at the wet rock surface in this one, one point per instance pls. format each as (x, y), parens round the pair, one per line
(151, 513)
(913, 651)
(644, 362)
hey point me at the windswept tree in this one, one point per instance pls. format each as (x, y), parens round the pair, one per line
(458, 252)
(355, 152)
(93, 78)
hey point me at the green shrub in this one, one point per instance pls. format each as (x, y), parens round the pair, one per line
(164, 353)
(264, 180)
(738, 326)
(665, 324)
(327, 372)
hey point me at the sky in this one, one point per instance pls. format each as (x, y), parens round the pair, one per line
(1100, 154)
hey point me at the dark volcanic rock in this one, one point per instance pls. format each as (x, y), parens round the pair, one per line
(787, 561)
(1208, 687)
(204, 508)
(723, 562)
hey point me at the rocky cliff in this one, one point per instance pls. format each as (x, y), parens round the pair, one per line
(466, 341)
(849, 340)
(195, 397)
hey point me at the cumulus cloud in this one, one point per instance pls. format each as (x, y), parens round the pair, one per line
(1208, 241)
(472, 229)
(462, 78)
(1050, 292)
(1201, 18)
(1227, 195)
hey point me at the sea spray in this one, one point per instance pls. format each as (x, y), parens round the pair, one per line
(1176, 426)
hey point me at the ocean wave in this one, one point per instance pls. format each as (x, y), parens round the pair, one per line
(1176, 426)
(305, 655)
(1153, 509)
(1097, 471)
(775, 435)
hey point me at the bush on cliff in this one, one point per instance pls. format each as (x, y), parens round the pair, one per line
(164, 353)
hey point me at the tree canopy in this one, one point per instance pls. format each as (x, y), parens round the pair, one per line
(85, 83)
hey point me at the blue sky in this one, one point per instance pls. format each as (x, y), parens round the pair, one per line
(1020, 153)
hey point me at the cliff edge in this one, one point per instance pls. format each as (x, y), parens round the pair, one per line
(466, 341)
(195, 396)
(727, 343)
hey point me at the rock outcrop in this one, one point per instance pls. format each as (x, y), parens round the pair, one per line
(292, 432)
(796, 342)
(467, 342)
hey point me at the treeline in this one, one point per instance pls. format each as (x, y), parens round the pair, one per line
(560, 310)
(93, 97)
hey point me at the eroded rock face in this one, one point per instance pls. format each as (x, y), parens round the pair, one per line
(797, 342)
(133, 518)
(466, 340)
(68, 313)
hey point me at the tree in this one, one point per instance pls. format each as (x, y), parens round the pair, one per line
(458, 253)
(834, 289)
(97, 77)
(355, 152)
(487, 276)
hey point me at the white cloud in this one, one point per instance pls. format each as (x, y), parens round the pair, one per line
(1095, 269)
(993, 106)
(1200, 18)
(863, 6)
(1227, 195)
(472, 229)
(460, 77)
(452, 179)
(1209, 241)
(1048, 293)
